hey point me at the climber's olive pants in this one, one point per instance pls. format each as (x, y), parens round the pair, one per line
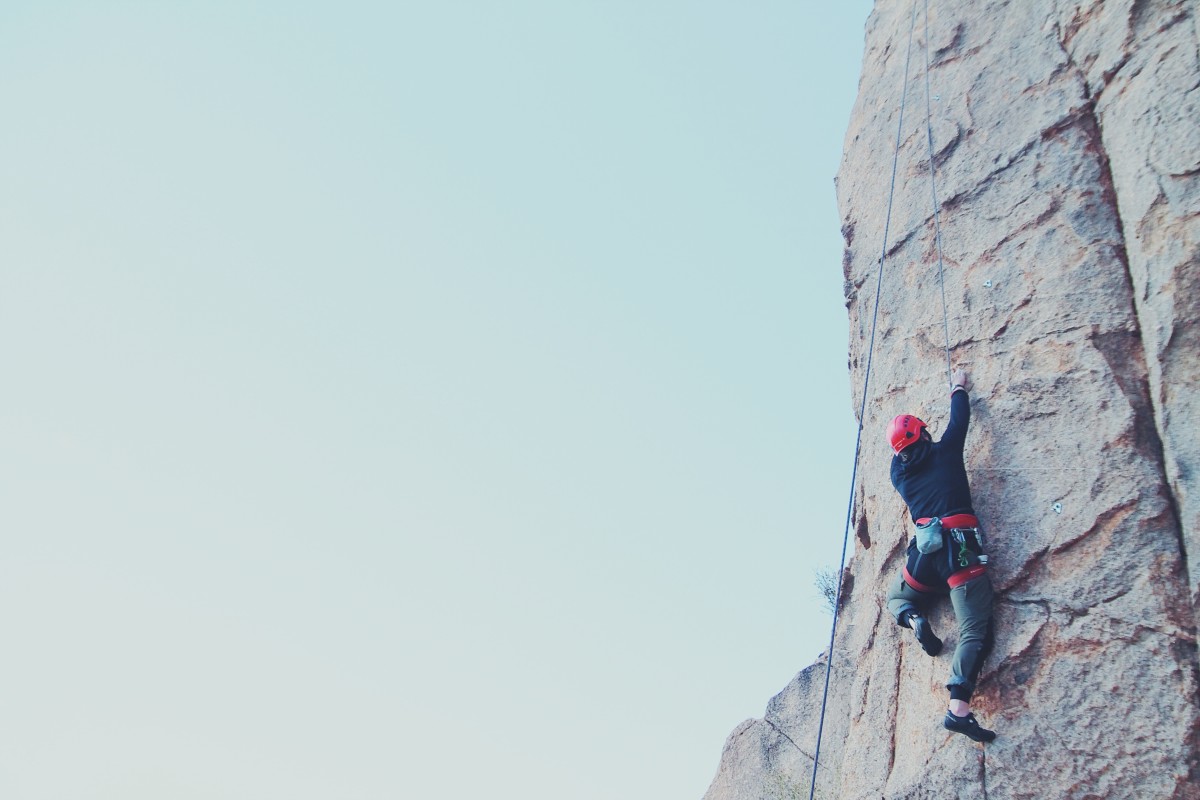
(972, 602)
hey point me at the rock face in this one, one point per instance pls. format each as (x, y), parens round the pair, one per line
(1066, 141)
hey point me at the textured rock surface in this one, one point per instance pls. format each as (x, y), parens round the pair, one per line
(1067, 146)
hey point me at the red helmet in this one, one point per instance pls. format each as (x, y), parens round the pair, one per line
(903, 431)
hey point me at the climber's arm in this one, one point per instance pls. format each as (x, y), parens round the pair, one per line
(960, 410)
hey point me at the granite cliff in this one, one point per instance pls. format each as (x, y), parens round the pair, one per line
(1066, 141)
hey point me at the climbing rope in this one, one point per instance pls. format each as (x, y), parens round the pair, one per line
(937, 225)
(871, 346)
(837, 601)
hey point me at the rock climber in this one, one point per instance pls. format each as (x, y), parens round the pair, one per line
(946, 556)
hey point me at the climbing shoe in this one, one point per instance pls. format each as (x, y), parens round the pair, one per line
(967, 726)
(930, 643)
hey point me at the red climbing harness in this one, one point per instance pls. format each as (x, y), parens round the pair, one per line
(953, 522)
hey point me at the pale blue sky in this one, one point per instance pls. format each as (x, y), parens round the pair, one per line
(432, 400)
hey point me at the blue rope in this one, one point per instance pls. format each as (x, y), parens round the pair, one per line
(863, 409)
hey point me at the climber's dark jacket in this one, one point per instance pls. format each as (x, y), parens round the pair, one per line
(933, 483)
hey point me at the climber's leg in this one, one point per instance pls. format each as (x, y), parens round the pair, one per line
(972, 603)
(906, 606)
(903, 599)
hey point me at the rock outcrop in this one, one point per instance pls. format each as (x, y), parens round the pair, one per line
(1066, 141)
